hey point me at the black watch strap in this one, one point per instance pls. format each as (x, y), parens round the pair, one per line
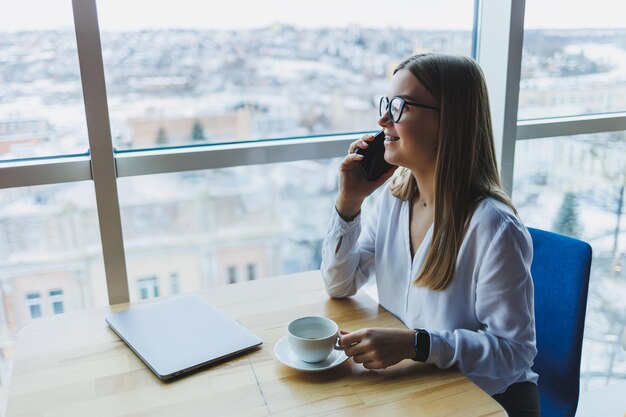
(421, 343)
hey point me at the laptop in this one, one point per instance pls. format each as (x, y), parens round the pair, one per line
(180, 334)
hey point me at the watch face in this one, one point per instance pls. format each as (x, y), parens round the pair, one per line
(422, 345)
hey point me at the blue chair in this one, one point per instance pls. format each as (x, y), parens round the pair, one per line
(560, 271)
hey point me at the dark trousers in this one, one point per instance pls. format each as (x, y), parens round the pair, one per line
(520, 400)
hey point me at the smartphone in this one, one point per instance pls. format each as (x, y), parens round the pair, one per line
(373, 163)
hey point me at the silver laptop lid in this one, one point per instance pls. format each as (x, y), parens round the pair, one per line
(181, 333)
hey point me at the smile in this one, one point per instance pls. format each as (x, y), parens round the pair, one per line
(391, 138)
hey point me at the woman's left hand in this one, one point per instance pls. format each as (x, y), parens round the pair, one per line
(378, 348)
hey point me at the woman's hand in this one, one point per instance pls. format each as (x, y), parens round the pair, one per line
(378, 348)
(353, 186)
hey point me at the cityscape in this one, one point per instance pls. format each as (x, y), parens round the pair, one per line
(196, 230)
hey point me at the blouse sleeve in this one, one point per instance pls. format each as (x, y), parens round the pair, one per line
(348, 253)
(505, 346)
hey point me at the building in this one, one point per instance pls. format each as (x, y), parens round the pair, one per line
(159, 131)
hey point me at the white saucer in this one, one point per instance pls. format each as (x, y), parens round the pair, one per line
(283, 353)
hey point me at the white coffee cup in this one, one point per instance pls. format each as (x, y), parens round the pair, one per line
(312, 339)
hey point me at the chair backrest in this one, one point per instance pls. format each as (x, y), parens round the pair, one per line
(560, 271)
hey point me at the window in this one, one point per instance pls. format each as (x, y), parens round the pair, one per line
(252, 274)
(232, 274)
(574, 59)
(279, 70)
(174, 283)
(575, 186)
(33, 302)
(41, 105)
(205, 222)
(50, 238)
(148, 288)
(573, 64)
(56, 299)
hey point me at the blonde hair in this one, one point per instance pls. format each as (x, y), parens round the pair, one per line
(466, 170)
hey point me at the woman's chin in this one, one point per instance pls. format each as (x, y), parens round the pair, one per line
(390, 158)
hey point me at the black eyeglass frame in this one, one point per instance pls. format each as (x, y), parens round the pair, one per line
(403, 102)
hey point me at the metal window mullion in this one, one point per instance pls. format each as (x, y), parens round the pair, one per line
(571, 125)
(44, 172)
(475, 26)
(102, 161)
(55, 170)
(499, 52)
(222, 156)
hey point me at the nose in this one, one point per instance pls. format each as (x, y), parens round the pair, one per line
(385, 120)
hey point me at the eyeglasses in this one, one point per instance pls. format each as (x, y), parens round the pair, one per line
(396, 105)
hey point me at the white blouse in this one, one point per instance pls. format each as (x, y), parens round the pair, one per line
(483, 322)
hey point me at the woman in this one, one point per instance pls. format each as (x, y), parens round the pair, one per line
(450, 256)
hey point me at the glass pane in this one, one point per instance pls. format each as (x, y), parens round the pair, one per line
(575, 186)
(175, 283)
(251, 272)
(50, 259)
(186, 72)
(57, 307)
(232, 275)
(35, 311)
(216, 227)
(574, 58)
(41, 103)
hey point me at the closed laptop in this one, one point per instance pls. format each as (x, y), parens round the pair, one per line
(180, 334)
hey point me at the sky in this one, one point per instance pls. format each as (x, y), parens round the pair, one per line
(237, 14)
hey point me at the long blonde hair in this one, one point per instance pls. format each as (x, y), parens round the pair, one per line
(466, 170)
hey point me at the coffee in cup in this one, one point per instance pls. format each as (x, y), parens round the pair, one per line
(312, 339)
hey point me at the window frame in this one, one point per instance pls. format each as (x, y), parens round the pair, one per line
(252, 271)
(151, 285)
(174, 283)
(232, 274)
(35, 301)
(57, 296)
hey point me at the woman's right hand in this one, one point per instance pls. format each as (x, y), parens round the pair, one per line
(353, 186)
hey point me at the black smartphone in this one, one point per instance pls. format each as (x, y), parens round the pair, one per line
(373, 163)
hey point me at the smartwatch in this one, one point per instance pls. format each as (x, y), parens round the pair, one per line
(421, 344)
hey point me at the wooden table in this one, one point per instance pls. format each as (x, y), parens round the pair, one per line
(74, 365)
